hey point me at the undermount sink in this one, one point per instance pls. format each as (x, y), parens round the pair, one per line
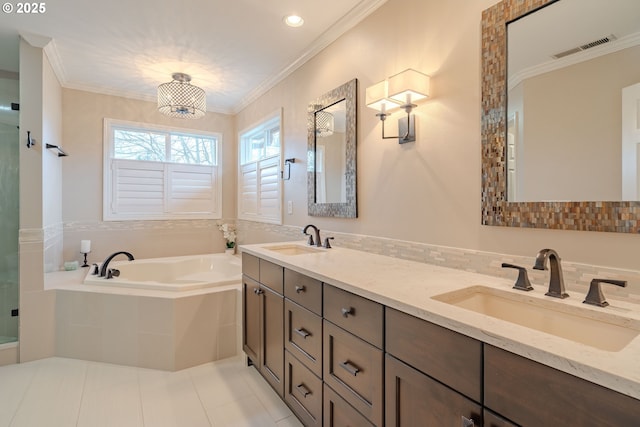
(293, 249)
(604, 331)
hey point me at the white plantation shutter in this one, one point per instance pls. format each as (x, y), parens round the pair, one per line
(269, 189)
(192, 188)
(138, 188)
(147, 190)
(248, 191)
(260, 190)
(259, 180)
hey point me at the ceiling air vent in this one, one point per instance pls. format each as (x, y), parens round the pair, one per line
(586, 46)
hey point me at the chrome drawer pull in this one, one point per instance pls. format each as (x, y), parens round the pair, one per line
(347, 311)
(304, 391)
(350, 367)
(302, 332)
(300, 289)
(467, 422)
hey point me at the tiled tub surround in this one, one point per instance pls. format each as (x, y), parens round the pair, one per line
(576, 276)
(154, 329)
(408, 286)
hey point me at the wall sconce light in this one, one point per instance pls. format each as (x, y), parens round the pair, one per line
(399, 91)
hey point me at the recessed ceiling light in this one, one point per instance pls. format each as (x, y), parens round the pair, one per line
(293, 20)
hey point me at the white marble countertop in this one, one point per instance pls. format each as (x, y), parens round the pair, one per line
(409, 287)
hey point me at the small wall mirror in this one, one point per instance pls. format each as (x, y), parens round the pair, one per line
(331, 155)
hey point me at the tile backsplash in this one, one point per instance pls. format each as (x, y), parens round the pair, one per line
(576, 276)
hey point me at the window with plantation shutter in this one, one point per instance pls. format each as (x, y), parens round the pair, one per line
(153, 172)
(259, 183)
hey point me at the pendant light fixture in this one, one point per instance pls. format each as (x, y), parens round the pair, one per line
(179, 98)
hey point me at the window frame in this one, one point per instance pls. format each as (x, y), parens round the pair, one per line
(107, 173)
(266, 125)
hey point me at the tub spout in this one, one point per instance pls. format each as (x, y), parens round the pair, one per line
(105, 264)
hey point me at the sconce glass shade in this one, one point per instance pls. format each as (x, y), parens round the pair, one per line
(408, 86)
(325, 123)
(376, 97)
(181, 99)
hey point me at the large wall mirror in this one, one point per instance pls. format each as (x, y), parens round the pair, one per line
(560, 114)
(331, 155)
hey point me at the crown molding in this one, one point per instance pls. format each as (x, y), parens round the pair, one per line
(350, 20)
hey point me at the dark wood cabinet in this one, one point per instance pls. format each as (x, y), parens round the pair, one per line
(449, 357)
(494, 420)
(353, 368)
(414, 399)
(339, 359)
(272, 366)
(251, 321)
(531, 394)
(303, 335)
(303, 391)
(338, 413)
(263, 320)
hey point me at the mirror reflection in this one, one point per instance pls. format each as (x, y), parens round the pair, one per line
(573, 119)
(331, 154)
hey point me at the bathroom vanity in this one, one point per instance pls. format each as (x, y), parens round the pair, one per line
(351, 338)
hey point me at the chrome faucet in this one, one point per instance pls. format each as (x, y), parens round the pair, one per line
(310, 242)
(105, 264)
(556, 282)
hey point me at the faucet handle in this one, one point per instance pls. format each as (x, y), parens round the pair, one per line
(326, 242)
(595, 295)
(95, 269)
(522, 282)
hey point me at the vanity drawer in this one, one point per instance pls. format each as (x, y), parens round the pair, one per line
(530, 393)
(358, 315)
(303, 391)
(451, 358)
(251, 266)
(272, 275)
(338, 413)
(304, 290)
(353, 368)
(303, 335)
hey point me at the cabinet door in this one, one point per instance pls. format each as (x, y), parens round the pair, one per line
(272, 368)
(414, 399)
(532, 394)
(251, 321)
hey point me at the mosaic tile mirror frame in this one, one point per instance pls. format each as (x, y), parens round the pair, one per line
(496, 210)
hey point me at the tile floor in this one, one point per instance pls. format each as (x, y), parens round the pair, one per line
(67, 392)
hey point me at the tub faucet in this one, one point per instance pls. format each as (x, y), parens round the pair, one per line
(105, 264)
(318, 241)
(556, 282)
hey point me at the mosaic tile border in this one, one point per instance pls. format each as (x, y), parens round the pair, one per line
(182, 224)
(577, 276)
(622, 217)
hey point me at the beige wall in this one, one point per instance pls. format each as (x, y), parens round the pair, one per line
(427, 191)
(83, 116)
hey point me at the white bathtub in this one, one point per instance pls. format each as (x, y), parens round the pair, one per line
(174, 273)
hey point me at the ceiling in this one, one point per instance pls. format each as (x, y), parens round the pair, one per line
(567, 24)
(234, 50)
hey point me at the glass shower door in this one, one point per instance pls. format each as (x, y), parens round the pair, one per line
(9, 211)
